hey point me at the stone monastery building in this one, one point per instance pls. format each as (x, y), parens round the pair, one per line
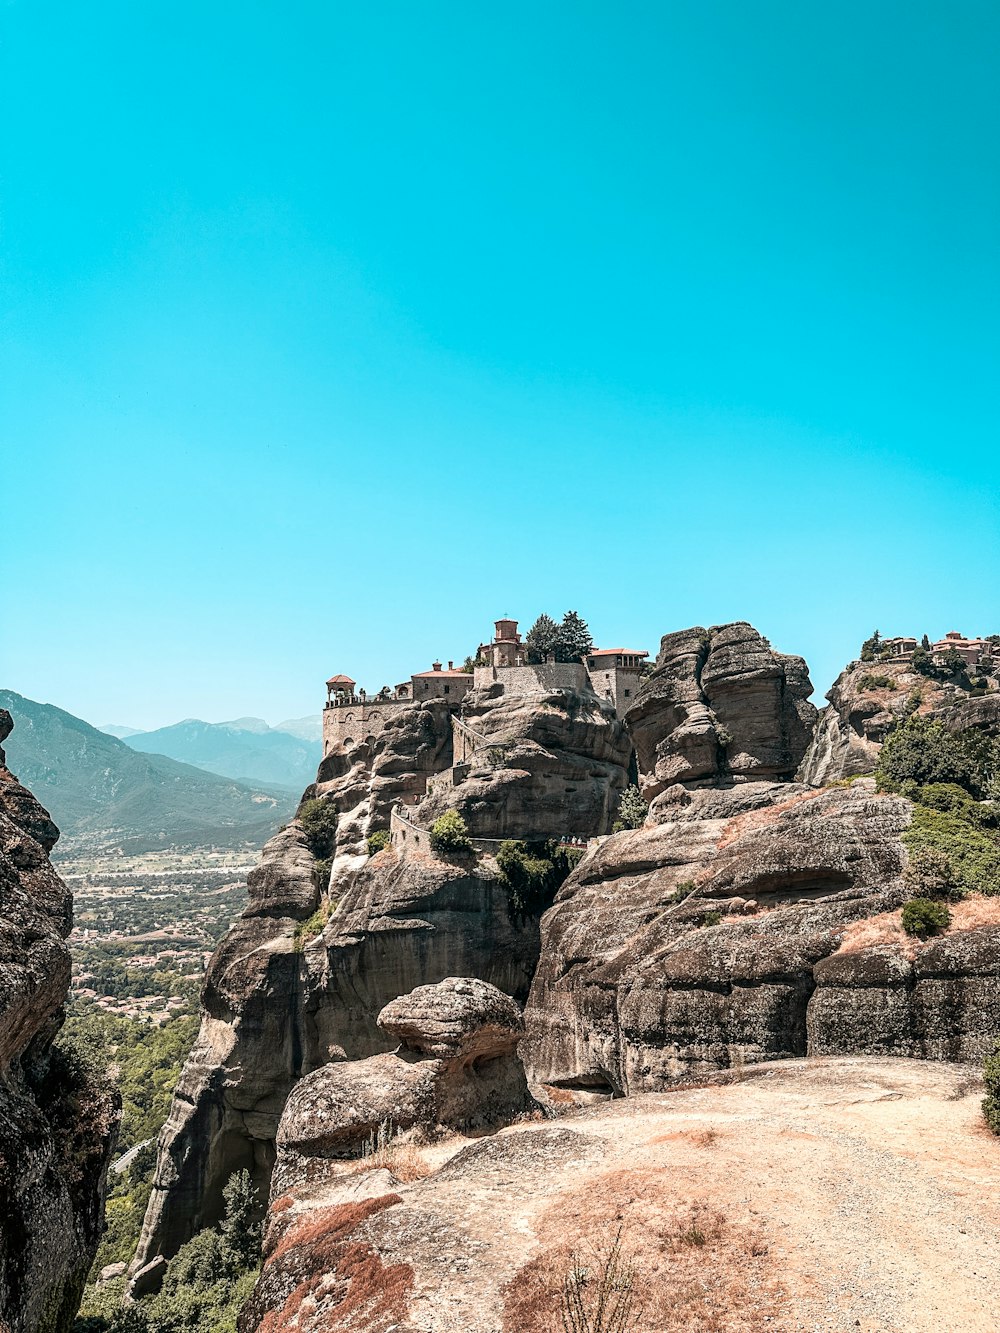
(352, 715)
(970, 650)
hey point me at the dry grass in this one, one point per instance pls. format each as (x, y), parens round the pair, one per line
(696, 1270)
(976, 910)
(878, 932)
(884, 931)
(385, 1150)
(339, 1282)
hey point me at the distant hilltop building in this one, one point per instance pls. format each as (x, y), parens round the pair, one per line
(902, 649)
(352, 715)
(970, 650)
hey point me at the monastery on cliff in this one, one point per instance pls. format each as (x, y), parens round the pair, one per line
(352, 715)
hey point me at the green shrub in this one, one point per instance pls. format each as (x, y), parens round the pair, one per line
(321, 873)
(873, 682)
(711, 918)
(318, 821)
(377, 841)
(959, 834)
(308, 930)
(926, 752)
(632, 809)
(683, 890)
(532, 874)
(991, 1077)
(930, 874)
(923, 916)
(449, 833)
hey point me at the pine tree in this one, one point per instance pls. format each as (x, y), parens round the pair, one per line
(925, 643)
(632, 809)
(240, 1228)
(871, 647)
(574, 639)
(541, 638)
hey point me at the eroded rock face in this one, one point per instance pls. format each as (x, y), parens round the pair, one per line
(635, 990)
(551, 763)
(278, 1005)
(56, 1126)
(456, 1068)
(721, 705)
(868, 699)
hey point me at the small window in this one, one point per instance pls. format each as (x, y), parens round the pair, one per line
(627, 693)
(447, 689)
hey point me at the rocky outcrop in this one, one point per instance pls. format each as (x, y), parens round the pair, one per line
(691, 944)
(547, 763)
(281, 1001)
(56, 1121)
(741, 1203)
(721, 705)
(455, 1069)
(868, 699)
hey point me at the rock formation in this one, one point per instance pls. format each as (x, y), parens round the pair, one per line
(725, 931)
(546, 763)
(278, 1005)
(868, 699)
(754, 916)
(721, 704)
(742, 1204)
(56, 1123)
(455, 1068)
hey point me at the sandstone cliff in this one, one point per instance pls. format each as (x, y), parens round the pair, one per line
(543, 763)
(721, 704)
(727, 929)
(279, 1004)
(869, 698)
(56, 1123)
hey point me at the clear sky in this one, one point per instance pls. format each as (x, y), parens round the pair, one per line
(331, 332)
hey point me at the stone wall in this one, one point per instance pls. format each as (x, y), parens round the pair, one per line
(349, 724)
(531, 679)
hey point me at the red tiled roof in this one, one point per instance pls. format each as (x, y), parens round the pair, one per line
(340, 680)
(418, 675)
(610, 652)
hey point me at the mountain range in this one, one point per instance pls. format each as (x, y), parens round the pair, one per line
(105, 794)
(246, 749)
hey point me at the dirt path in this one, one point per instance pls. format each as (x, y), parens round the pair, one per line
(813, 1195)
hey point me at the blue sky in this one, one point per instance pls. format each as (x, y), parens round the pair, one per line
(330, 333)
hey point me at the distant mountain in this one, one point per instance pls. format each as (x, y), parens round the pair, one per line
(110, 729)
(247, 749)
(104, 794)
(306, 728)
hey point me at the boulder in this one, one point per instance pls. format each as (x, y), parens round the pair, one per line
(456, 1068)
(460, 1017)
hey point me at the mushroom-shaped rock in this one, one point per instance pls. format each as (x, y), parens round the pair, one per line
(456, 1067)
(458, 1018)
